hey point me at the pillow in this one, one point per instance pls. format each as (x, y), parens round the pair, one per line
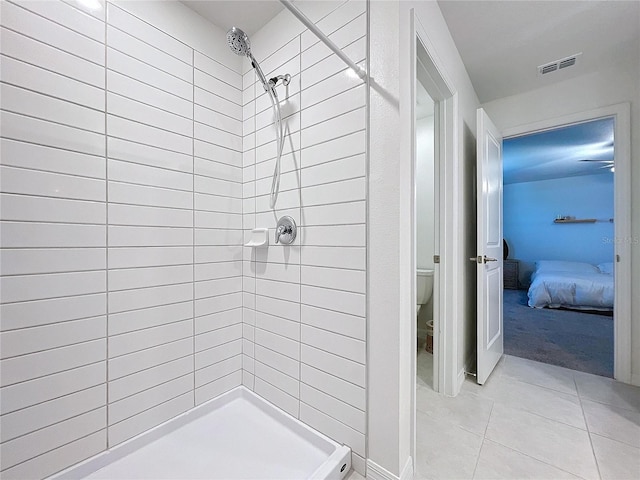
(606, 268)
(565, 266)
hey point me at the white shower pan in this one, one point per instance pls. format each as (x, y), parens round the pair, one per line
(237, 435)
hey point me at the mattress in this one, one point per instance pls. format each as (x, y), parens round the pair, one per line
(579, 290)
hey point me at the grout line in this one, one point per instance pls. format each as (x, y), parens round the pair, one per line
(56, 148)
(40, 170)
(67, 370)
(146, 104)
(58, 421)
(41, 67)
(155, 67)
(220, 378)
(74, 440)
(221, 80)
(319, 389)
(50, 349)
(52, 222)
(160, 50)
(586, 424)
(54, 122)
(218, 345)
(193, 201)
(163, 402)
(146, 85)
(227, 360)
(58, 25)
(106, 177)
(60, 322)
(156, 127)
(50, 96)
(147, 369)
(475, 468)
(334, 419)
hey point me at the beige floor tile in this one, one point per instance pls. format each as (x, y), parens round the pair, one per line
(616, 460)
(613, 422)
(541, 374)
(424, 369)
(466, 410)
(552, 404)
(471, 385)
(563, 446)
(609, 391)
(353, 475)
(497, 462)
(444, 450)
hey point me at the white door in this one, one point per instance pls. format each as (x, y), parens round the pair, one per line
(489, 246)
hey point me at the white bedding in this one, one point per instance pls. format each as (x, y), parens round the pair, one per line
(580, 290)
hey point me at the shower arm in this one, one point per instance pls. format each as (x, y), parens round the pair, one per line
(327, 41)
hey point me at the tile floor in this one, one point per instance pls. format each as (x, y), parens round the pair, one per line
(530, 420)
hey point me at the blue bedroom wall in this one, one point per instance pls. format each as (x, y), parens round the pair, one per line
(530, 208)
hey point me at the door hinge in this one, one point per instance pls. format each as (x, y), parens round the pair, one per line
(617, 258)
(436, 259)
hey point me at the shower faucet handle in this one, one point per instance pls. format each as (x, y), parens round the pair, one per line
(286, 230)
(281, 230)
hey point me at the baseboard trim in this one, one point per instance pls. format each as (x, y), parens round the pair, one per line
(376, 472)
(407, 471)
(461, 377)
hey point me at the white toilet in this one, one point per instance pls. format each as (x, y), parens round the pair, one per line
(424, 286)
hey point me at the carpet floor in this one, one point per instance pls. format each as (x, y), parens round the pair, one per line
(571, 339)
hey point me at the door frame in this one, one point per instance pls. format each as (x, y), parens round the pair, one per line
(622, 212)
(446, 291)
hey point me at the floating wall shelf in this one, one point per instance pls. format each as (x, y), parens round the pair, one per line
(574, 220)
(581, 220)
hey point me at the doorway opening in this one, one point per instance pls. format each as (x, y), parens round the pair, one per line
(559, 252)
(426, 223)
(427, 88)
(620, 237)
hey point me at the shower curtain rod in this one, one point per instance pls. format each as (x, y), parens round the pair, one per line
(327, 41)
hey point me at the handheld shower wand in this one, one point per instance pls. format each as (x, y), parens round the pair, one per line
(240, 44)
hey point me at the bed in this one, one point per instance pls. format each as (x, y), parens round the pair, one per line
(576, 285)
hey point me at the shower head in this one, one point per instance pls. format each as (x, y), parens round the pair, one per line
(239, 42)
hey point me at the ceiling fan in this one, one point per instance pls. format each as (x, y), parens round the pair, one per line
(608, 164)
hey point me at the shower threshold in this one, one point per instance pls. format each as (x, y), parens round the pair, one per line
(237, 435)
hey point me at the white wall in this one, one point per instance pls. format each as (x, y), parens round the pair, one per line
(390, 342)
(305, 304)
(529, 211)
(121, 226)
(615, 85)
(425, 208)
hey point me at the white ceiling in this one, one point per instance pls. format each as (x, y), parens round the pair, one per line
(248, 15)
(503, 42)
(574, 150)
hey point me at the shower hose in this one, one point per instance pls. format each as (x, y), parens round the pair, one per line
(275, 183)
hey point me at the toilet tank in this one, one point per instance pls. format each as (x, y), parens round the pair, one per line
(424, 285)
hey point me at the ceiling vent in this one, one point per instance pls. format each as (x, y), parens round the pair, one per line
(559, 64)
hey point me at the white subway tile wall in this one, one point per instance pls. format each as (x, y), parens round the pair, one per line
(133, 168)
(121, 184)
(53, 214)
(305, 305)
